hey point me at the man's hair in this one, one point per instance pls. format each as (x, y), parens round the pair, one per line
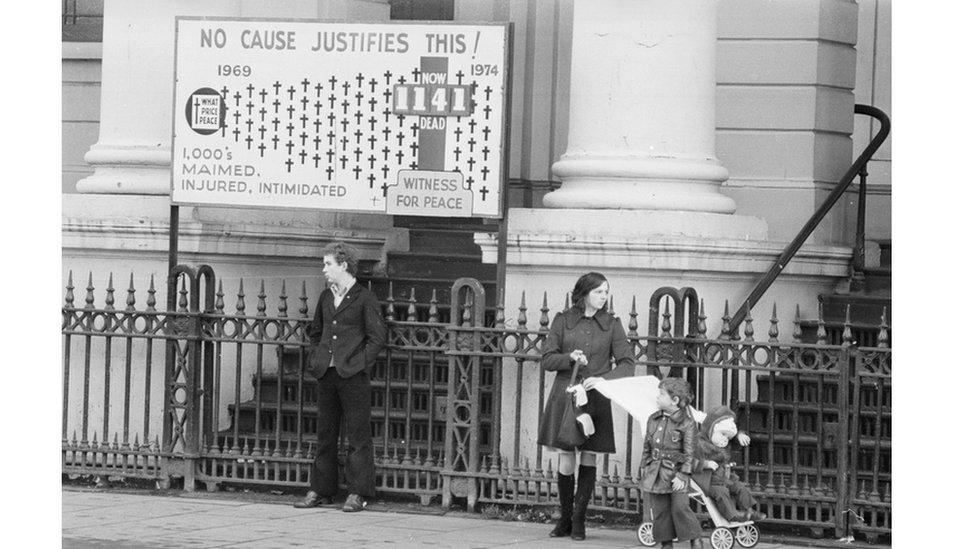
(679, 389)
(343, 252)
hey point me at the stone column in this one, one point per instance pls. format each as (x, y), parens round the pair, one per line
(642, 109)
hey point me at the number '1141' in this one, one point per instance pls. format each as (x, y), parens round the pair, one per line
(431, 100)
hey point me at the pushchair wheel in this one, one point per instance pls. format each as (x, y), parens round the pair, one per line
(747, 535)
(722, 538)
(645, 534)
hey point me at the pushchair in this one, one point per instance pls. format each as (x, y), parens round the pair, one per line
(631, 394)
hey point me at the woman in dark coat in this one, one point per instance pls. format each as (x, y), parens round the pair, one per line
(585, 334)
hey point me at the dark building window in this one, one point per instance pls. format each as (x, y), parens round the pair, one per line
(81, 20)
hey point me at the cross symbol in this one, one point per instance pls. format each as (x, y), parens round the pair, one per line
(487, 111)
(472, 143)
(488, 91)
(486, 131)
(275, 141)
(345, 88)
(263, 93)
(470, 163)
(372, 161)
(331, 119)
(415, 129)
(457, 133)
(275, 123)
(331, 136)
(359, 80)
(399, 156)
(330, 153)
(374, 199)
(316, 158)
(472, 124)
(276, 86)
(343, 159)
(304, 136)
(250, 108)
(289, 163)
(318, 89)
(387, 95)
(276, 104)
(318, 108)
(372, 104)
(248, 140)
(290, 128)
(345, 106)
(400, 118)
(356, 170)
(304, 102)
(485, 151)
(223, 92)
(386, 152)
(386, 133)
(401, 80)
(359, 117)
(249, 123)
(484, 192)
(332, 100)
(387, 75)
(289, 145)
(250, 90)
(304, 119)
(291, 92)
(474, 87)
(459, 75)
(329, 171)
(358, 153)
(316, 141)
(384, 187)
(344, 123)
(372, 123)
(484, 173)
(262, 112)
(359, 98)
(237, 117)
(372, 141)
(399, 139)
(237, 134)
(372, 179)
(457, 154)
(386, 115)
(413, 165)
(385, 169)
(305, 83)
(261, 147)
(416, 74)
(414, 147)
(237, 99)
(291, 110)
(344, 141)
(302, 155)
(372, 85)
(332, 83)
(317, 124)
(469, 181)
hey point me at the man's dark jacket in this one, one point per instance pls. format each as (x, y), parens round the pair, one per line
(354, 332)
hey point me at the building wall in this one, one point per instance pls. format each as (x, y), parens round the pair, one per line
(81, 76)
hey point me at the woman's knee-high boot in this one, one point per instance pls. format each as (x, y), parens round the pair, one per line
(584, 490)
(565, 484)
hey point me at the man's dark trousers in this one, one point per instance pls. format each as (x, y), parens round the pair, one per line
(347, 400)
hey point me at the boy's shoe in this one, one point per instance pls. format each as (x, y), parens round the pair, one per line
(354, 503)
(756, 515)
(696, 544)
(313, 499)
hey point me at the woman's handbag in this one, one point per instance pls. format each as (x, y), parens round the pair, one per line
(570, 434)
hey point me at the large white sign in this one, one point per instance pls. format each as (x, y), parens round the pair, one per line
(400, 118)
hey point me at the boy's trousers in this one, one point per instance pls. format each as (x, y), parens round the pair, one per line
(673, 518)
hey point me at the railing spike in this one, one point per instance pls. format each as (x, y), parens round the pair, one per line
(774, 326)
(219, 302)
(797, 328)
(151, 298)
(522, 319)
(240, 298)
(883, 329)
(544, 313)
(69, 296)
(702, 318)
(303, 309)
(666, 321)
(847, 336)
(390, 310)
(130, 294)
(433, 314)
(726, 323)
(748, 331)
(262, 304)
(183, 302)
(110, 295)
(632, 325)
(283, 304)
(90, 293)
(412, 307)
(821, 328)
(500, 307)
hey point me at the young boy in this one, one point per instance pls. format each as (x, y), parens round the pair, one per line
(712, 467)
(669, 444)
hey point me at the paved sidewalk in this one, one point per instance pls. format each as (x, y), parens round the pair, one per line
(95, 519)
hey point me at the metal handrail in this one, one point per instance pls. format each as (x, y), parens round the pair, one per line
(784, 258)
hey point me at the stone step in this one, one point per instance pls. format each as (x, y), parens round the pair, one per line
(459, 241)
(865, 308)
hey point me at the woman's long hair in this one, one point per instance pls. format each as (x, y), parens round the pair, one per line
(586, 284)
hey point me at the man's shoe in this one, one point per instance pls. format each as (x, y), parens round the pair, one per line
(312, 499)
(354, 503)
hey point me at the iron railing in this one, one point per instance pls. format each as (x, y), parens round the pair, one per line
(859, 167)
(212, 392)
